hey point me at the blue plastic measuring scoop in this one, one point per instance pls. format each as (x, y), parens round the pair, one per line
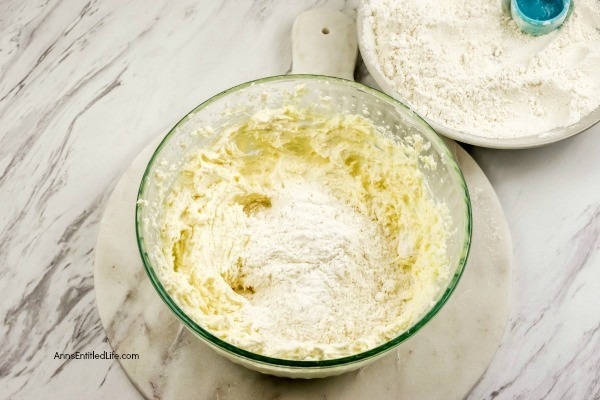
(539, 17)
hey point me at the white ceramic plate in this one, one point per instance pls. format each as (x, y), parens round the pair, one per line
(367, 49)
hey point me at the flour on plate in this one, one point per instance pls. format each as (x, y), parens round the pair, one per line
(465, 65)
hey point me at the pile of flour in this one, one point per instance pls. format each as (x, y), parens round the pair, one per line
(315, 270)
(465, 64)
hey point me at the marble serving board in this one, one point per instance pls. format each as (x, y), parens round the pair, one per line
(443, 361)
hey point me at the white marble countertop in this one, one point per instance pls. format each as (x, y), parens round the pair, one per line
(85, 85)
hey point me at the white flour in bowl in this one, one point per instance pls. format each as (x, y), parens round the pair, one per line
(465, 65)
(315, 265)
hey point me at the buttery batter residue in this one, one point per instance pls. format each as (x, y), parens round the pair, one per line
(304, 237)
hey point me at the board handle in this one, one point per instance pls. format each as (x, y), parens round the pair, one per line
(324, 43)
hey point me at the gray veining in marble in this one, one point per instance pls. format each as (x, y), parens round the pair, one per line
(85, 85)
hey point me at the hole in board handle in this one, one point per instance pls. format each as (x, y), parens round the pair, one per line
(325, 31)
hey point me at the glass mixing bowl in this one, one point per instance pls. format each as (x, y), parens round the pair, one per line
(446, 183)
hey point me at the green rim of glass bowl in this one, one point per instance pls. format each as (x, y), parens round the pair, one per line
(205, 334)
